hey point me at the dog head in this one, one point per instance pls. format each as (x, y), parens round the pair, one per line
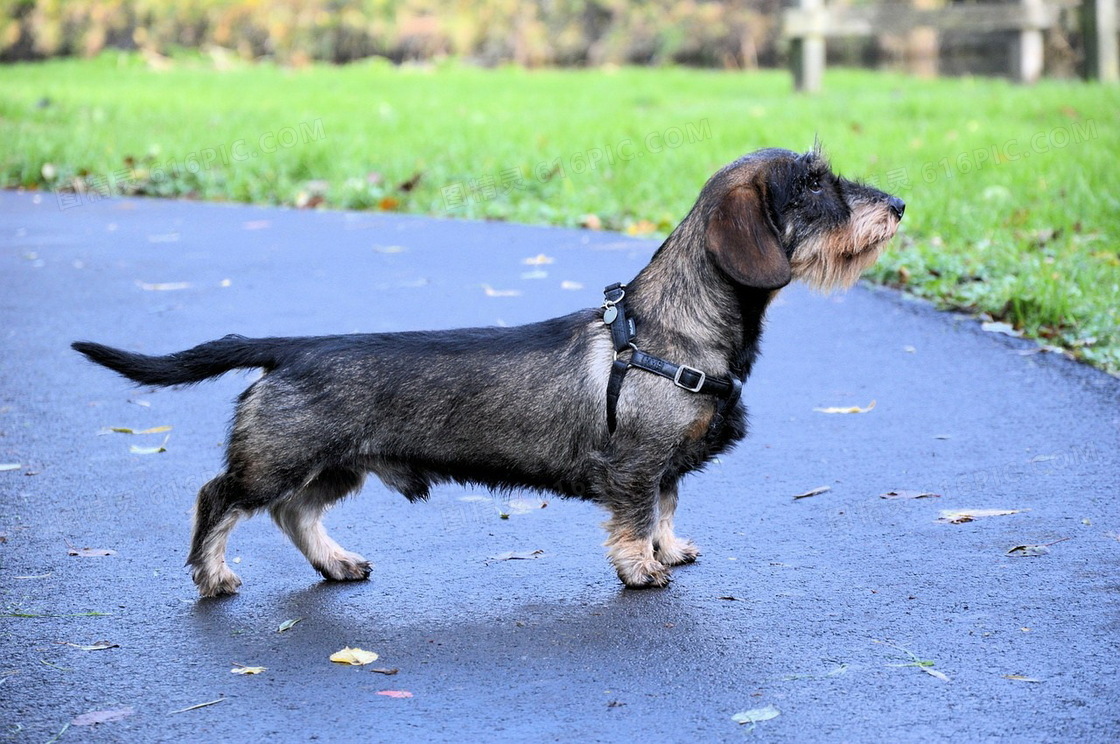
(776, 215)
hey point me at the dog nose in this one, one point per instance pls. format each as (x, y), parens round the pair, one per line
(897, 206)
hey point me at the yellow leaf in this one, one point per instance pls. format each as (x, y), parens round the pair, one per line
(239, 669)
(155, 430)
(641, 227)
(969, 515)
(538, 260)
(353, 656)
(848, 409)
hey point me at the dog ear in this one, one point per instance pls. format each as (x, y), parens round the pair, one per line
(744, 243)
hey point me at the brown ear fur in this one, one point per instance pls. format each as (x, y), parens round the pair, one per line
(743, 242)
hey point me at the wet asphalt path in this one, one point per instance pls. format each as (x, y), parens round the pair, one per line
(789, 605)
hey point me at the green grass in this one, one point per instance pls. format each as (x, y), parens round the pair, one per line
(1013, 193)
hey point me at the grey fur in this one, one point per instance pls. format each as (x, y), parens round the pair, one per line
(526, 407)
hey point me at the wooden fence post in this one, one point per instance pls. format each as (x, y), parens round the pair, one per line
(1099, 26)
(1027, 51)
(807, 51)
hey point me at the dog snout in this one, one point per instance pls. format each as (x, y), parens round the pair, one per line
(898, 207)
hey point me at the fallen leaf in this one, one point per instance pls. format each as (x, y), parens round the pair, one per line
(385, 670)
(969, 515)
(515, 556)
(491, 292)
(903, 494)
(288, 624)
(102, 716)
(10, 466)
(96, 646)
(411, 183)
(388, 204)
(308, 200)
(242, 669)
(926, 665)
(353, 656)
(1034, 550)
(570, 285)
(1020, 678)
(164, 286)
(814, 492)
(1006, 329)
(847, 409)
(538, 260)
(934, 673)
(757, 714)
(396, 693)
(730, 598)
(126, 430)
(196, 707)
(89, 552)
(1029, 551)
(641, 227)
(137, 450)
(534, 274)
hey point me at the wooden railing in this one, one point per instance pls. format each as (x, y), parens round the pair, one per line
(812, 21)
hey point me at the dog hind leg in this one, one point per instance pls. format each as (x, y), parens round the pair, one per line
(216, 514)
(300, 515)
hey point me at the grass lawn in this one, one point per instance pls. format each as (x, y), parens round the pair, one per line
(1013, 193)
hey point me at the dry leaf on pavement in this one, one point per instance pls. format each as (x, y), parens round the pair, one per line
(288, 624)
(102, 716)
(903, 494)
(242, 669)
(846, 409)
(353, 656)
(960, 516)
(757, 714)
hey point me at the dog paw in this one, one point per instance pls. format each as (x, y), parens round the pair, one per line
(347, 567)
(677, 553)
(220, 583)
(649, 574)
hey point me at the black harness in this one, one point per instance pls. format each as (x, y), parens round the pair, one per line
(726, 389)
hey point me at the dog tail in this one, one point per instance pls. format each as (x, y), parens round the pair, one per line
(187, 367)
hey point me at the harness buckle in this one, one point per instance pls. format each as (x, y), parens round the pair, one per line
(701, 377)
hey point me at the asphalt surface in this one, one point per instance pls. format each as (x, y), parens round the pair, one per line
(791, 605)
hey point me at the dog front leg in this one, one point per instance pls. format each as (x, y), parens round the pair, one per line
(630, 541)
(667, 547)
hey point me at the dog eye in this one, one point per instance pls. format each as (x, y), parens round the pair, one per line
(815, 186)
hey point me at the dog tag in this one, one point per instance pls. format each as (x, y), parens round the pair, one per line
(610, 314)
